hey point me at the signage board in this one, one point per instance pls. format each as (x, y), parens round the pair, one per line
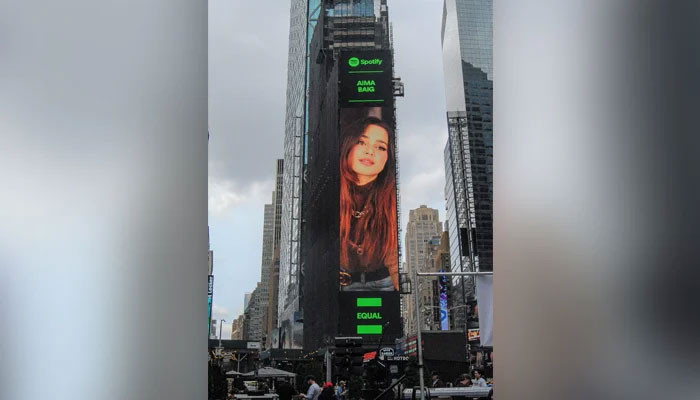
(368, 220)
(386, 352)
(210, 300)
(444, 314)
(366, 78)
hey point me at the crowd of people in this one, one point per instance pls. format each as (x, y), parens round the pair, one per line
(331, 391)
(464, 380)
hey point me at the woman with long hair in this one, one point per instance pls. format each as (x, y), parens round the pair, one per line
(368, 226)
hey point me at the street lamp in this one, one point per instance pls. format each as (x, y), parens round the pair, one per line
(220, 348)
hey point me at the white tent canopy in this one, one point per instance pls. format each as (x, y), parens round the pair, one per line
(232, 372)
(269, 372)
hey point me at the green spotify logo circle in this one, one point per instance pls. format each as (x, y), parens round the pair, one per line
(354, 61)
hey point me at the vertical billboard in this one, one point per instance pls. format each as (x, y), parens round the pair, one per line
(368, 226)
(210, 298)
(444, 314)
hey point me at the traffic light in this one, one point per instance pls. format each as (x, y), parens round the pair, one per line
(347, 357)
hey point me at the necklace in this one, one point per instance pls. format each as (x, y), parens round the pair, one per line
(359, 214)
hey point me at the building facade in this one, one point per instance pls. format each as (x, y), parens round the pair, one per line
(253, 316)
(422, 227)
(467, 45)
(272, 272)
(237, 328)
(303, 18)
(341, 16)
(246, 299)
(346, 32)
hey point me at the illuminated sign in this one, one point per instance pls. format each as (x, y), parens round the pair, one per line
(210, 298)
(354, 62)
(367, 320)
(385, 352)
(366, 315)
(369, 301)
(368, 220)
(370, 313)
(444, 315)
(365, 78)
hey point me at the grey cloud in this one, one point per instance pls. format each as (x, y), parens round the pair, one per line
(247, 86)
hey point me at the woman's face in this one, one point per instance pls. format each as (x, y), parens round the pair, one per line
(368, 156)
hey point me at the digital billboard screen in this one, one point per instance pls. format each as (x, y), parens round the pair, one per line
(210, 298)
(368, 217)
(444, 314)
(368, 226)
(366, 78)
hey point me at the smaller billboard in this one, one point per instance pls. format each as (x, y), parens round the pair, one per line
(444, 314)
(365, 78)
(210, 299)
(253, 345)
(386, 352)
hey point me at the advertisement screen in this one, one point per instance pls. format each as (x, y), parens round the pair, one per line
(210, 297)
(444, 315)
(368, 226)
(368, 217)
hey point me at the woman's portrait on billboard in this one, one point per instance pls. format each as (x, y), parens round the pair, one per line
(368, 217)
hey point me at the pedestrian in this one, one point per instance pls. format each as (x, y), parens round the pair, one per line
(327, 393)
(479, 379)
(285, 391)
(341, 391)
(436, 382)
(464, 380)
(314, 390)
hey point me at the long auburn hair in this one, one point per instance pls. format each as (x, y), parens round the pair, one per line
(378, 228)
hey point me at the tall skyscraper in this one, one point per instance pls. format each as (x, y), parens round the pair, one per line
(423, 225)
(256, 307)
(305, 15)
(258, 319)
(271, 272)
(237, 328)
(467, 45)
(349, 237)
(253, 316)
(303, 18)
(429, 287)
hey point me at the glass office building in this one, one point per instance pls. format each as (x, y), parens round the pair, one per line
(467, 44)
(303, 17)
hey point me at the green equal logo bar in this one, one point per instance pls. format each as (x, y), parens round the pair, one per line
(369, 329)
(369, 301)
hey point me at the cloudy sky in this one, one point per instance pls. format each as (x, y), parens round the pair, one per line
(248, 45)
